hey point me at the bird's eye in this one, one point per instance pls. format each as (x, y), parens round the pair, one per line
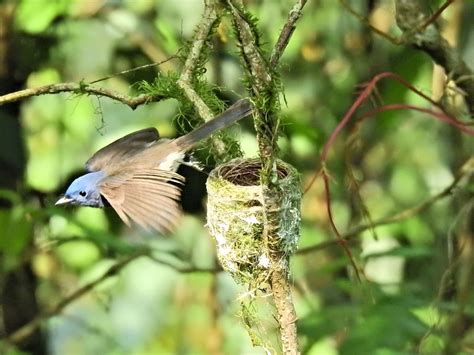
(83, 193)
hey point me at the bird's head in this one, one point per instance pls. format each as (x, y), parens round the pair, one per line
(84, 191)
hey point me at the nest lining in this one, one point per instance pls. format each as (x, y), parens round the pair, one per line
(247, 172)
(235, 218)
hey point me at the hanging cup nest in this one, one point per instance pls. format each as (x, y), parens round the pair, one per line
(235, 218)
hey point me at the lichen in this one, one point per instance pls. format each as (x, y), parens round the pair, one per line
(235, 218)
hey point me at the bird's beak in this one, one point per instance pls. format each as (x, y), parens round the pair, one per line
(63, 200)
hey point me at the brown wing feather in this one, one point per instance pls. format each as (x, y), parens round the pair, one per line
(122, 148)
(149, 198)
(151, 216)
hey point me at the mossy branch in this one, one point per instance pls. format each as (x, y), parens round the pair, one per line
(196, 89)
(295, 13)
(420, 31)
(194, 59)
(80, 88)
(87, 88)
(264, 85)
(261, 84)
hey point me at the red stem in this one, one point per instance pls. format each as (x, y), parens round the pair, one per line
(350, 113)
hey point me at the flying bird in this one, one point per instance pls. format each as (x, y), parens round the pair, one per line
(137, 176)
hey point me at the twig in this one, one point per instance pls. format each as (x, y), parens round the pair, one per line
(188, 269)
(428, 39)
(287, 31)
(265, 92)
(216, 338)
(30, 327)
(367, 23)
(204, 31)
(141, 67)
(425, 36)
(467, 168)
(80, 88)
(23, 332)
(86, 88)
(255, 63)
(435, 16)
(142, 41)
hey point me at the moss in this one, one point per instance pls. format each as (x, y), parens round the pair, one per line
(235, 218)
(187, 119)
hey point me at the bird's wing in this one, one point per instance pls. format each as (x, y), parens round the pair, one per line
(122, 148)
(149, 198)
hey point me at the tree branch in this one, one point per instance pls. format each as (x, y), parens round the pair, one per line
(366, 22)
(287, 31)
(420, 30)
(27, 329)
(467, 169)
(86, 88)
(204, 31)
(22, 333)
(194, 61)
(265, 92)
(80, 88)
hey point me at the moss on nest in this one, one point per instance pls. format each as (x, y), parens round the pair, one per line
(235, 218)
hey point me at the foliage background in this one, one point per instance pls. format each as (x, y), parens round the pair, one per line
(421, 268)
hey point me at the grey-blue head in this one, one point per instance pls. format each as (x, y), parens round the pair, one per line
(84, 191)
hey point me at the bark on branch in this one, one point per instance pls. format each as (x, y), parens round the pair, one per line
(421, 31)
(80, 88)
(265, 92)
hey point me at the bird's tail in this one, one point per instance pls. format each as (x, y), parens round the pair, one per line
(234, 113)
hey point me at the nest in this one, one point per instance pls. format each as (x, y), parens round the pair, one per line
(236, 220)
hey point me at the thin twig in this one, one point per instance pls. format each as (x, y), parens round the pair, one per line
(27, 329)
(23, 332)
(80, 88)
(435, 16)
(427, 38)
(467, 168)
(265, 92)
(86, 88)
(141, 67)
(367, 23)
(188, 269)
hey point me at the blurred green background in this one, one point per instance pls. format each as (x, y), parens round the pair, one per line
(419, 297)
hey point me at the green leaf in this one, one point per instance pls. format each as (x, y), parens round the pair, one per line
(34, 16)
(15, 230)
(386, 327)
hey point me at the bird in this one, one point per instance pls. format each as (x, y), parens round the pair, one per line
(136, 174)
